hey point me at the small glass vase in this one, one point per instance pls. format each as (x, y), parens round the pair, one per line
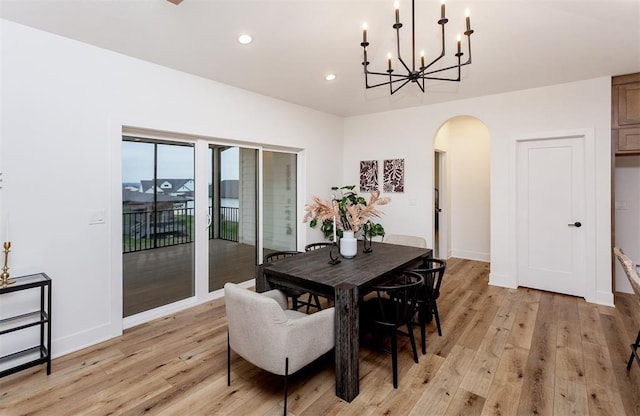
(348, 245)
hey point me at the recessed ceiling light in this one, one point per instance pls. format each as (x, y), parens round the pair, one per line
(245, 39)
(330, 77)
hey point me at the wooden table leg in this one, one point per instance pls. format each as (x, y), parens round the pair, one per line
(347, 342)
(262, 285)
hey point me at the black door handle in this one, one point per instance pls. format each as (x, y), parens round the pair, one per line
(577, 224)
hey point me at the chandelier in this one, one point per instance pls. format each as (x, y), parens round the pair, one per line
(409, 72)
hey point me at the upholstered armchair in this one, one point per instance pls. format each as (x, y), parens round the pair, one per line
(264, 332)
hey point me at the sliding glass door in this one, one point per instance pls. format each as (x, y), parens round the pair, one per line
(279, 201)
(159, 235)
(157, 221)
(233, 213)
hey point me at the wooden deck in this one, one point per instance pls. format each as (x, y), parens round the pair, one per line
(160, 276)
(503, 352)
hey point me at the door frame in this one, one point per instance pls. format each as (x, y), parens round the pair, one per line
(589, 228)
(444, 219)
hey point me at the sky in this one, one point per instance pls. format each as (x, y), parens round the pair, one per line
(174, 162)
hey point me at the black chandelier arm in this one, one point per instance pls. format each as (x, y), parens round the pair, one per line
(386, 74)
(424, 72)
(397, 27)
(393, 91)
(400, 78)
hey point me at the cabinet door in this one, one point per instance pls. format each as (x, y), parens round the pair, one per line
(628, 104)
(628, 140)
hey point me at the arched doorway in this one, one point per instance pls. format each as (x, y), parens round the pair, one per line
(461, 218)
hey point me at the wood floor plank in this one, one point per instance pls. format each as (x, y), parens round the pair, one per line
(538, 388)
(603, 400)
(465, 403)
(590, 325)
(524, 324)
(570, 398)
(569, 363)
(484, 366)
(438, 394)
(503, 352)
(618, 341)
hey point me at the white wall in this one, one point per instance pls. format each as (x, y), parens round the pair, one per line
(409, 134)
(627, 214)
(63, 107)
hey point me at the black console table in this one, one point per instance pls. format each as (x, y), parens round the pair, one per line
(41, 317)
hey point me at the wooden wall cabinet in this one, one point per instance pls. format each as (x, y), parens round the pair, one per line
(625, 114)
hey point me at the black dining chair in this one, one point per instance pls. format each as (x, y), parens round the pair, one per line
(296, 303)
(427, 306)
(389, 310)
(315, 246)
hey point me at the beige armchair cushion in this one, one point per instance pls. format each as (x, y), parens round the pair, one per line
(264, 332)
(405, 240)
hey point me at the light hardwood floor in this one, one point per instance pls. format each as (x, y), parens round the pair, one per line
(503, 352)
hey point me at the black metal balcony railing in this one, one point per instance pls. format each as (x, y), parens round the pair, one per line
(146, 230)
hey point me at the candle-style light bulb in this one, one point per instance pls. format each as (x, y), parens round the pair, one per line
(442, 9)
(422, 58)
(389, 60)
(396, 6)
(459, 38)
(467, 15)
(364, 32)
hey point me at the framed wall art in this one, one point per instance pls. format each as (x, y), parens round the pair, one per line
(368, 175)
(393, 175)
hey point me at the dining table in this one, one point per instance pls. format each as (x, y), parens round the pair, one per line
(346, 282)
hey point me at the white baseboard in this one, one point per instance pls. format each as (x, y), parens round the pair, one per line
(471, 255)
(603, 298)
(501, 280)
(80, 340)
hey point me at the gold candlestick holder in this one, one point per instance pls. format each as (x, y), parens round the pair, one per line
(4, 277)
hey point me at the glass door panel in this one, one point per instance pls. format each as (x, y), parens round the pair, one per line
(279, 201)
(232, 215)
(157, 224)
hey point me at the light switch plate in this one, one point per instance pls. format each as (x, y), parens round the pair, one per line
(97, 216)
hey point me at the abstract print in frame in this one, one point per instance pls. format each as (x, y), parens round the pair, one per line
(368, 175)
(393, 179)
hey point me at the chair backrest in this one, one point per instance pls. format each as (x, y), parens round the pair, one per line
(253, 320)
(277, 255)
(395, 303)
(315, 246)
(629, 270)
(432, 272)
(405, 240)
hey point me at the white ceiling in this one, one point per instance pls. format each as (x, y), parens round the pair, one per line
(517, 44)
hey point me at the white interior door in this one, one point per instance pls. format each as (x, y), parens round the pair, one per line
(550, 215)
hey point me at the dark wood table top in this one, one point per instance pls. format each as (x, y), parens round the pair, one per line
(312, 271)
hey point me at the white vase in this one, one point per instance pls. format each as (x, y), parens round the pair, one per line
(348, 245)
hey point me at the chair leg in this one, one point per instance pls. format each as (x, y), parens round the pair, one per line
(413, 342)
(394, 358)
(294, 303)
(437, 315)
(422, 321)
(286, 376)
(228, 360)
(634, 352)
(316, 303)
